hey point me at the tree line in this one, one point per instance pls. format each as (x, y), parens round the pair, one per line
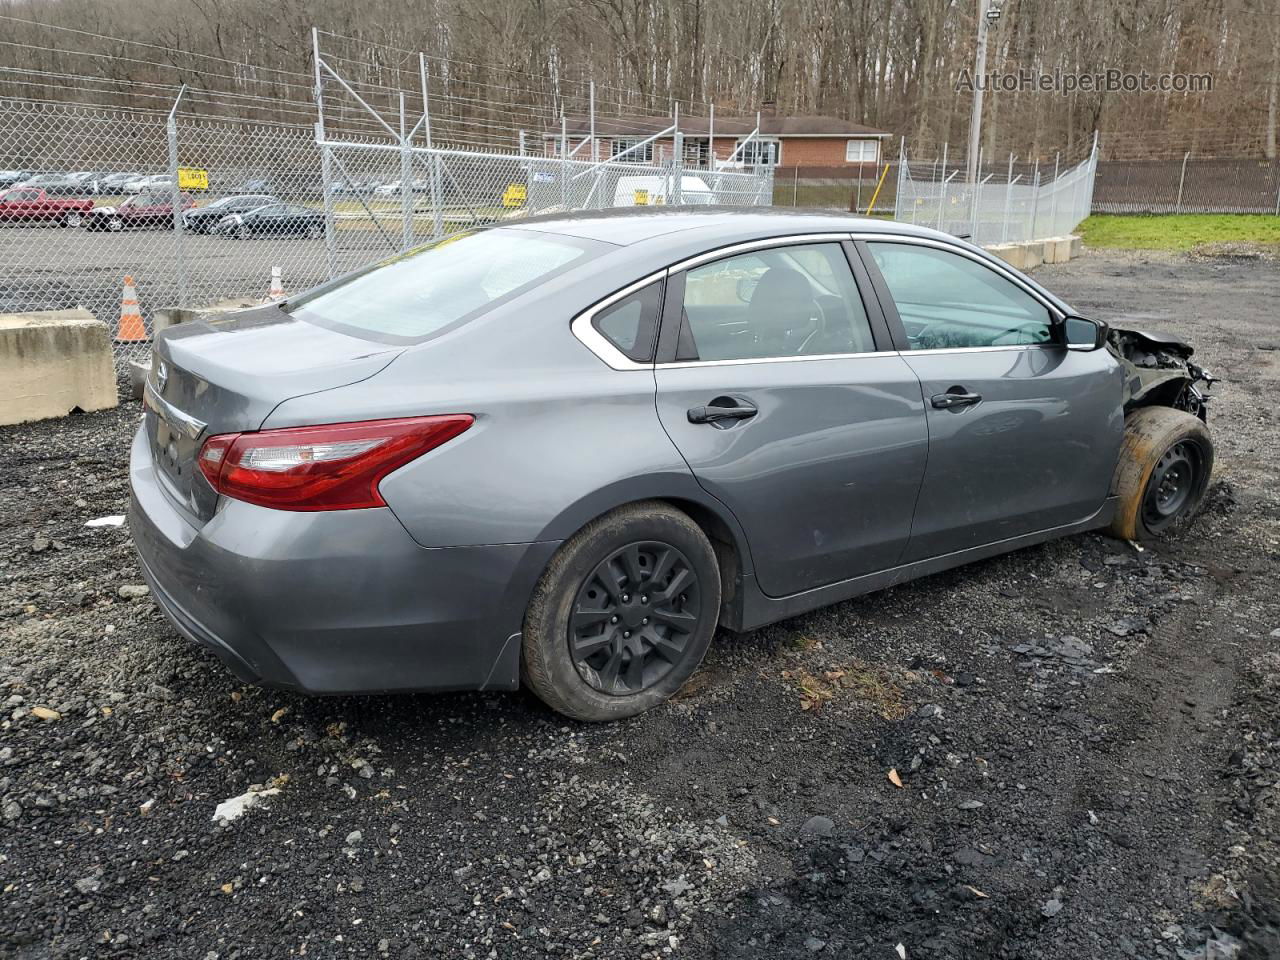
(896, 65)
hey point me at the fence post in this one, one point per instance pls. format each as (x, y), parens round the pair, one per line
(677, 161)
(942, 193)
(1035, 202)
(406, 184)
(1181, 180)
(795, 186)
(1278, 189)
(595, 154)
(437, 222)
(326, 181)
(975, 200)
(564, 163)
(1008, 201)
(903, 176)
(175, 199)
(1053, 197)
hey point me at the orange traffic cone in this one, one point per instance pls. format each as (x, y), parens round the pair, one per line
(131, 329)
(277, 285)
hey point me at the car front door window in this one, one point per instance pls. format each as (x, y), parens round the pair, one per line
(788, 301)
(948, 301)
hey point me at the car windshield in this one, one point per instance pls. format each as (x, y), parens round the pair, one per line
(419, 294)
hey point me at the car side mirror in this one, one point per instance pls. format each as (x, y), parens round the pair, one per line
(1081, 333)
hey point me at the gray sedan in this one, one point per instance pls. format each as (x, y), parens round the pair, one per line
(563, 450)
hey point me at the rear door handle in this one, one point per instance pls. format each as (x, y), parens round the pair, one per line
(723, 409)
(947, 401)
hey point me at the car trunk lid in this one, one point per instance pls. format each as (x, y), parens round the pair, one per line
(226, 374)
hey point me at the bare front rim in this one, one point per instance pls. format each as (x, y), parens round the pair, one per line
(634, 617)
(1175, 485)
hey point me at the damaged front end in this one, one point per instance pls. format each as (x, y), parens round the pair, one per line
(1159, 372)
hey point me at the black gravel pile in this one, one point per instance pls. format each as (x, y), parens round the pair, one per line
(1069, 752)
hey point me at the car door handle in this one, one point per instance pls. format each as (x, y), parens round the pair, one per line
(948, 401)
(717, 412)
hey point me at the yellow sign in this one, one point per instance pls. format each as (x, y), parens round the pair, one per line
(642, 198)
(515, 195)
(193, 178)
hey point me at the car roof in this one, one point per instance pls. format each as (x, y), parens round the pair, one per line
(627, 225)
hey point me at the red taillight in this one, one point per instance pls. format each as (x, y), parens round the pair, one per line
(337, 466)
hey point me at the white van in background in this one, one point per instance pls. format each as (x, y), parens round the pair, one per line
(651, 190)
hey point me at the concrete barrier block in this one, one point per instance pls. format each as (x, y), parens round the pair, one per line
(1020, 256)
(1032, 254)
(1010, 253)
(53, 362)
(138, 373)
(1077, 245)
(164, 317)
(1057, 250)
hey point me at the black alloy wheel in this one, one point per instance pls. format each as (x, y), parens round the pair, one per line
(633, 618)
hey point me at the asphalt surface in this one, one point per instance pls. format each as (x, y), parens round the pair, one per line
(53, 268)
(1086, 738)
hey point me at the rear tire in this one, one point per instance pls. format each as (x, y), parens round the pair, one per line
(1166, 461)
(623, 614)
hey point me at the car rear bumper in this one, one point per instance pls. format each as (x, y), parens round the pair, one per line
(332, 602)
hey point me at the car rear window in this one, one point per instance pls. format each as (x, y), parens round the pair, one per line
(421, 293)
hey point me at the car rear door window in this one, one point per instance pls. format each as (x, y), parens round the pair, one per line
(948, 301)
(630, 323)
(786, 301)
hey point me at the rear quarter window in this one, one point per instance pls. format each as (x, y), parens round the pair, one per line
(631, 323)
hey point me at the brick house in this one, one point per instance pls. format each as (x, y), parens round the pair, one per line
(812, 142)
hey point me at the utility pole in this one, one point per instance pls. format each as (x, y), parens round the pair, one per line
(988, 13)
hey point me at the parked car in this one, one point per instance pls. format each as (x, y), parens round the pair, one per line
(87, 181)
(10, 178)
(148, 184)
(274, 220)
(31, 204)
(54, 184)
(114, 182)
(143, 210)
(207, 218)
(354, 187)
(394, 188)
(564, 450)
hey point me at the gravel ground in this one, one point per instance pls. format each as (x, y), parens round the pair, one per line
(1069, 752)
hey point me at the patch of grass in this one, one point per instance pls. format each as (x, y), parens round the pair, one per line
(871, 685)
(1179, 232)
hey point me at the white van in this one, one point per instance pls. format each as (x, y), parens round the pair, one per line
(651, 190)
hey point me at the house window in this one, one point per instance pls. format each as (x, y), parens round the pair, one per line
(760, 153)
(639, 155)
(696, 153)
(861, 151)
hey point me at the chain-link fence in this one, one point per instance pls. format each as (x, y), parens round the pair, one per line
(1188, 185)
(1013, 204)
(862, 189)
(196, 211)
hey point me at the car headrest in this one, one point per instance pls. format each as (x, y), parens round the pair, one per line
(782, 303)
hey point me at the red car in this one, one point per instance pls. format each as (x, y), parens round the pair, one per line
(28, 204)
(143, 210)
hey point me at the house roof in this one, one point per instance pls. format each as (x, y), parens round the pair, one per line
(771, 125)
